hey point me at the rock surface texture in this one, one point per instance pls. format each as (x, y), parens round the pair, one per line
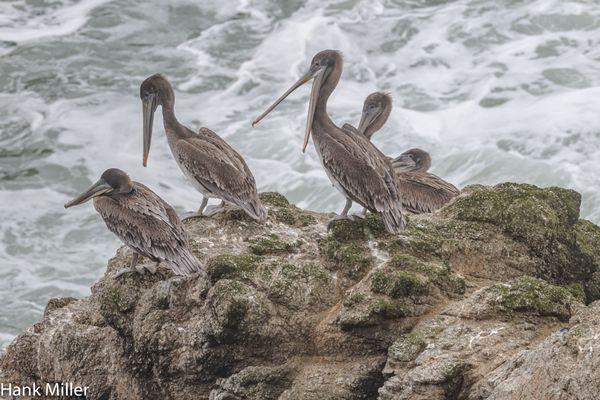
(490, 298)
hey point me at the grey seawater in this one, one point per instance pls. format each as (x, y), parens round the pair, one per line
(496, 90)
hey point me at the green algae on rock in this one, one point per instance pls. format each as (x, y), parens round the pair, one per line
(228, 265)
(398, 284)
(271, 244)
(406, 348)
(291, 311)
(352, 259)
(531, 295)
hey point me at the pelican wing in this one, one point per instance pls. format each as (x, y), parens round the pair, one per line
(220, 169)
(225, 148)
(350, 129)
(147, 202)
(144, 222)
(362, 170)
(423, 192)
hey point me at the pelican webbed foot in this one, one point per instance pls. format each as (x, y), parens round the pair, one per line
(211, 211)
(140, 269)
(197, 214)
(343, 215)
(191, 215)
(338, 218)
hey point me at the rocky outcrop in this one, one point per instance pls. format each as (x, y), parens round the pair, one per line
(490, 298)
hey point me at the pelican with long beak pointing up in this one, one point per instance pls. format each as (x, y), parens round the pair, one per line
(354, 166)
(214, 168)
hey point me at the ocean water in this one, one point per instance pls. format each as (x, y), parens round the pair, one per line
(496, 90)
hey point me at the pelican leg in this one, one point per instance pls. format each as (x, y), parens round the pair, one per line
(134, 260)
(150, 268)
(124, 271)
(347, 207)
(362, 214)
(343, 215)
(214, 210)
(200, 211)
(140, 269)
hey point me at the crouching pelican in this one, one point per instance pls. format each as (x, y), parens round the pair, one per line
(421, 191)
(142, 220)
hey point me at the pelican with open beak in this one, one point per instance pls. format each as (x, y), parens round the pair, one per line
(355, 167)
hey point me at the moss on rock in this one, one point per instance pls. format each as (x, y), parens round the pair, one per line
(360, 229)
(588, 239)
(274, 199)
(353, 259)
(285, 212)
(421, 239)
(398, 284)
(236, 310)
(440, 274)
(271, 244)
(526, 212)
(361, 310)
(296, 285)
(407, 347)
(229, 265)
(531, 295)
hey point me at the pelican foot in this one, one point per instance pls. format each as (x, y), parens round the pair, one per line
(362, 214)
(337, 218)
(139, 269)
(211, 211)
(191, 215)
(150, 268)
(125, 271)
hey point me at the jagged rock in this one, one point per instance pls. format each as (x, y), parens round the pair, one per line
(449, 309)
(564, 366)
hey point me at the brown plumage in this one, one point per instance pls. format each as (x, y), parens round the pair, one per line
(213, 167)
(355, 167)
(421, 191)
(142, 220)
(412, 160)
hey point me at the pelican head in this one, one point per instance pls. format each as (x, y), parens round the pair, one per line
(376, 111)
(320, 71)
(111, 182)
(154, 91)
(413, 160)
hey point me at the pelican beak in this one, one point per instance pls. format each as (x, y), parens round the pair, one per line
(367, 118)
(149, 105)
(403, 162)
(317, 75)
(97, 189)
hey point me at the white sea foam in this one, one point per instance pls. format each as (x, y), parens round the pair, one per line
(17, 27)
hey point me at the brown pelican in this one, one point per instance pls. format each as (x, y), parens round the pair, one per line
(412, 160)
(422, 192)
(355, 167)
(376, 111)
(142, 220)
(213, 167)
